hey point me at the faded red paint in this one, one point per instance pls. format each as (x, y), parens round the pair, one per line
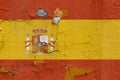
(77, 9)
(56, 69)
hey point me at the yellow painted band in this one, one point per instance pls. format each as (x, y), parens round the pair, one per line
(76, 39)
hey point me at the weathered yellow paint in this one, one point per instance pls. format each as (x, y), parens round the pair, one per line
(76, 39)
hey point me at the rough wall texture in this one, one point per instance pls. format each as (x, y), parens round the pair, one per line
(56, 70)
(90, 30)
(78, 9)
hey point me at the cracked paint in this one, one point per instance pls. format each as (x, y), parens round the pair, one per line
(89, 30)
(56, 69)
(91, 42)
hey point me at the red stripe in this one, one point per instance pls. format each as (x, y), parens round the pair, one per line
(77, 9)
(56, 69)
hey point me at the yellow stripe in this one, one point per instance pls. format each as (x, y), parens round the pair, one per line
(76, 39)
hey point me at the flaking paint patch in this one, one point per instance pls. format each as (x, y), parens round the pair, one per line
(56, 69)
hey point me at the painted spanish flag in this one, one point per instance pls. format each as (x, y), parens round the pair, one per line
(59, 40)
